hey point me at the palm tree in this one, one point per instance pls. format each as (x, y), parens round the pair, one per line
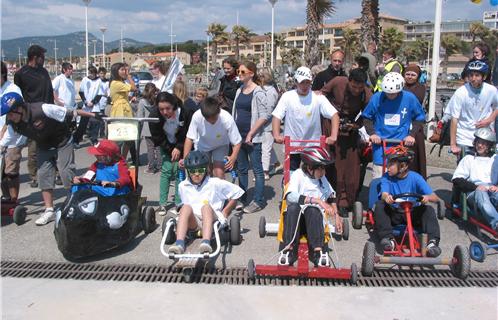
(391, 38)
(369, 22)
(478, 30)
(350, 42)
(218, 35)
(240, 34)
(316, 11)
(452, 45)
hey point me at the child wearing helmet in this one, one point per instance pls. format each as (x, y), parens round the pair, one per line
(392, 114)
(399, 179)
(477, 175)
(110, 169)
(203, 198)
(308, 195)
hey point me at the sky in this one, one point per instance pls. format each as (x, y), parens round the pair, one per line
(149, 20)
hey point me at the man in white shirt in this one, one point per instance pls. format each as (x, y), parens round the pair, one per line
(301, 110)
(64, 91)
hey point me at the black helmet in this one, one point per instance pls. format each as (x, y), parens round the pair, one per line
(196, 159)
(399, 153)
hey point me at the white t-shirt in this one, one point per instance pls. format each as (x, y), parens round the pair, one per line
(212, 191)
(170, 126)
(301, 114)
(104, 91)
(10, 138)
(64, 87)
(475, 169)
(469, 107)
(91, 88)
(207, 136)
(159, 82)
(302, 184)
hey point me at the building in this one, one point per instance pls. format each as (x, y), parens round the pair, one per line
(490, 19)
(111, 58)
(425, 30)
(162, 56)
(257, 49)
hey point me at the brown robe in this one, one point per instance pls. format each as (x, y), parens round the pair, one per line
(345, 174)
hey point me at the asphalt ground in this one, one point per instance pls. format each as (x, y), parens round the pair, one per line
(29, 242)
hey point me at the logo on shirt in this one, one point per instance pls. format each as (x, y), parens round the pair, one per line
(308, 114)
(218, 136)
(205, 202)
(404, 112)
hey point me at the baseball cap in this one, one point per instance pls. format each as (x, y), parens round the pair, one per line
(104, 148)
(302, 73)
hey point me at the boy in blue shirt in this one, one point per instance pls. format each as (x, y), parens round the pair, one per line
(389, 115)
(399, 179)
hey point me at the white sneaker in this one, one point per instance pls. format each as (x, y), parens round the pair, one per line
(162, 210)
(46, 217)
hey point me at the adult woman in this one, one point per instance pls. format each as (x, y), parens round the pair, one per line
(229, 83)
(252, 115)
(180, 91)
(169, 135)
(480, 52)
(119, 90)
(145, 106)
(159, 70)
(411, 74)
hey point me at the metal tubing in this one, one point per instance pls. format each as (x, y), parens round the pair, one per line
(415, 260)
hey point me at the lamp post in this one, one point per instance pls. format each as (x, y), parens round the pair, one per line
(70, 55)
(207, 60)
(272, 2)
(86, 2)
(94, 50)
(171, 39)
(103, 29)
(55, 53)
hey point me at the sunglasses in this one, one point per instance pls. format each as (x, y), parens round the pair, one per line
(195, 171)
(242, 72)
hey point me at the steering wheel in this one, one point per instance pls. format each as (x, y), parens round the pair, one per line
(418, 198)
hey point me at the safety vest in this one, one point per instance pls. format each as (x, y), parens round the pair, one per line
(389, 66)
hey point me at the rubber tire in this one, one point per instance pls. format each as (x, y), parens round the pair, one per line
(235, 238)
(462, 268)
(354, 274)
(357, 215)
(477, 251)
(171, 238)
(368, 259)
(262, 227)
(148, 219)
(188, 275)
(345, 229)
(251, 270)
(19, 215)
(440, 210)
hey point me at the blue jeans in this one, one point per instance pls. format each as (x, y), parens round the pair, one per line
(254, 154)
(486, 202)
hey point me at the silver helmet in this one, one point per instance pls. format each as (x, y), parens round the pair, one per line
(485, 134)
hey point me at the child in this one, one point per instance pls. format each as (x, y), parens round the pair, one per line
(203, 198)
(145, 107)
(474, 175)
(212, 130)
(397, 180)
(110, 168)
(194, 104)
(308, 195)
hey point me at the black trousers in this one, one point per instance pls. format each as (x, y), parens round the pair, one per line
(310, 224)
(295, 161)
(80, 131)
(423, 217)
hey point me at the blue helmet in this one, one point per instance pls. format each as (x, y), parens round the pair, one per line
(10, 101)
(478, 66)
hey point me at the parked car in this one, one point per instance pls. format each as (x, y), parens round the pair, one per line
(144, 78)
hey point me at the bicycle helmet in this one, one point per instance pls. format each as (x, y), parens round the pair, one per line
(478, 66)
(10, 101)
(399, 153)
(196, 159)
(487, 135)
(316, 156)
(393, 82)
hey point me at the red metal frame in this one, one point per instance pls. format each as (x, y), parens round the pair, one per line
(413, 249)
(289, 148)
(473, 220)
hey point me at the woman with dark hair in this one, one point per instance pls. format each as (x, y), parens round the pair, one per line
(169, 135)
(119, 90)
(229, 83)
(145, 107)
(480, 52)
(252, 115)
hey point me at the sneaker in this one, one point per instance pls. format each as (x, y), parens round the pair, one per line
(176, 249)
(58, 180)
(149, 171)
(34, 184)
(388, 244)
(239, 206)
(278, 167)
(267, 176)
(46, 217)
(252, 207)
(162, 210)
(205, 247)
(320, 259)
(433, 250)
(285, 258)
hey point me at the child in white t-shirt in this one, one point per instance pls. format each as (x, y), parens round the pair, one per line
(212, 130)
(203, 198)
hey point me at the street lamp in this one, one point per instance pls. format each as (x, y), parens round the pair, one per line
(94, 50)
(70, 55)
(272, 2)
(86, 2)
(55, 53)
(103, 29)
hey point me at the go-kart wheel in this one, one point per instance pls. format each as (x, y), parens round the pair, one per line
(188, 275)
(368, 259)
(235, 231)
(251, 270)
(171, 237)
(19, 215)
(357, 217)
(345, 229)
(262, 227)
(148, 219)
(354, 273)
(477, 251)
(461, 267)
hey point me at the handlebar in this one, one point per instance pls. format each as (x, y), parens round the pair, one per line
(418, 197)
(92, 183)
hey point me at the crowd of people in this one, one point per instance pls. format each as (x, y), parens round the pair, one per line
(237, 129)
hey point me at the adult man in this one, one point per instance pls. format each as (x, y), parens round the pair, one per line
(301, 110)
(395, 114)
(96, 127)
(389, 64)
(334, 69)
(349, 96)
(64, 91)
(36, 86)
(471, 107)
(48, 126)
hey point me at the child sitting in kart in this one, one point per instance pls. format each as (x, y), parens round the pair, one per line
(474, 175)
(203, 198)
(110, 169)
(398, 179)
(308, 195)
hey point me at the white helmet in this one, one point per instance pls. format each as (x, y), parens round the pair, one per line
(393, 82)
